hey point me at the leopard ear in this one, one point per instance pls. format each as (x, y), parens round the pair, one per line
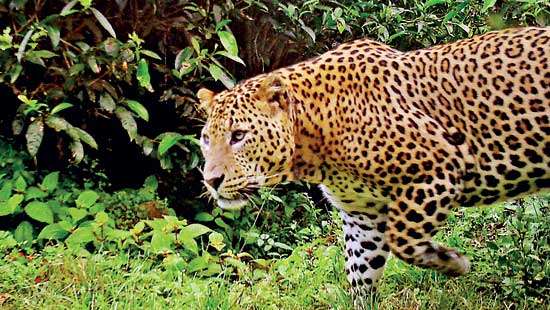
(206, 99)
(273, 91)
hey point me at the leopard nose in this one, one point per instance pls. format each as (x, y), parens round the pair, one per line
(215, 182)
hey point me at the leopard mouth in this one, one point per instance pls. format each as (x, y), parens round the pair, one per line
(232, 204)
(241, 200)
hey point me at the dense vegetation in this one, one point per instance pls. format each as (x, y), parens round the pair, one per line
(100, 195)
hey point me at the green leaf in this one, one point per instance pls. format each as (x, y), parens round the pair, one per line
(138, 108)
(101, 218)
(103, 22)
(53, 231)
(23, 233)
(54, 34)
(77, 214)
(229, 42)
(196, 45)
(8, 207)
(15, 72)
(20, 184)
(194, 230)
(487, 4)
(76, 69)
(92, 63)
(216, 240)
(5, 191)
(217, 73)
(232, 57)
(41, 54)
(198, 263)
(86, 137)
(23, 45)
(39, 211)
(147, 146)
(204, 217)
(80, 236)
(150, 54)
(34, 192)
(183, 55)
(170, 139)
(189, 244)
(162, 242)
(430, 3)
(151, 183)
(57, 123)
(60, 107)
(106, 102)
(142, 75)
(128, 122)
(68, 8)
(34, 136)
(77, 151)
(86, 199)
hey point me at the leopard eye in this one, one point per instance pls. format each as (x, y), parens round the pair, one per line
(237, 136)
(205, 139)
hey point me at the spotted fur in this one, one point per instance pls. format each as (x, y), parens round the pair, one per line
(395, 139)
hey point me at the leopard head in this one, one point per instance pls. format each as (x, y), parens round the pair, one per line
(248, 139)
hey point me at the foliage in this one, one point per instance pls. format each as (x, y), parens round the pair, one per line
(37, 211)
(68, 77)
(272, 225)
(311, 277)
(516, 243)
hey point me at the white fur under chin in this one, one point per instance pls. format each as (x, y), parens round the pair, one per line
(227, 204)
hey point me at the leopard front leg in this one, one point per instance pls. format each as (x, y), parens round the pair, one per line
(366, 251)
(412, 221)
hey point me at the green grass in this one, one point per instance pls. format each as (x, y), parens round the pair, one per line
(311, 278)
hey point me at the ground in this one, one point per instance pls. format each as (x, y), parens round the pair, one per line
(312, 277)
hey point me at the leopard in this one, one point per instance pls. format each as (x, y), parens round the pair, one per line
(395, 140)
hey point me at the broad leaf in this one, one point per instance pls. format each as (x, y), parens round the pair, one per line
(216, 240)
(430, 3)
(54, 34)
(86, 138)
(53, 231)
(34, 192)
(34, 136)
(168, 140)
(229, 42)
(138, 108)
(57, 123)
(204, 217)
(142, 75)
(487, 4)
(150, 54)
(162, 242)
(232, 57)
(68, 8)
(77, 214)
(106, 102)
(128, 122)
(86, 199)
(217, 73)
(92, 63)
(103, 22)
(198, 263)
(194, 230)
(77, 151)
(80, 236)
(8, 207)
(23, 45)
(24, 233)
(60, 107)
(39, 211)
